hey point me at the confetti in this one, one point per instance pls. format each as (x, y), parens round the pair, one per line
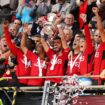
(68, 91)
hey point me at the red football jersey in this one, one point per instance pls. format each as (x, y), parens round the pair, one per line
(86, 60)
(56, 64)
(39, 68)
(75, 63)
(99, 61)
(24, 65)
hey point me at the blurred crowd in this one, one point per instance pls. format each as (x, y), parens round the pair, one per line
(53, 38)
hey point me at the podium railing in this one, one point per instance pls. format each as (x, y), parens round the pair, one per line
(34, 77)
(45, 89)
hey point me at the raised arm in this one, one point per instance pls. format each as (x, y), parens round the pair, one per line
(11, 45)
(43, 41)
(99, 23)
(62, 34)
(24, 38)
(89, 46)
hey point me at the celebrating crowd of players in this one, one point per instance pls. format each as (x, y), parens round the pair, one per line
(75, 45)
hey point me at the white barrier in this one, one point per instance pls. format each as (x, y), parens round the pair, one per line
(34, 77)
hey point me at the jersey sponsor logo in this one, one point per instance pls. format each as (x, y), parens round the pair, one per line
(43, 64)
(77, 64)
(26, 62)
(59, 61)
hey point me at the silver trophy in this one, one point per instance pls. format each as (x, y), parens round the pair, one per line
(49, 26)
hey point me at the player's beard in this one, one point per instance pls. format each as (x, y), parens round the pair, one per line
(56, 49)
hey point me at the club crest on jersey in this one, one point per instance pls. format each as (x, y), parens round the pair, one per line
(43, 65)
(77, 64)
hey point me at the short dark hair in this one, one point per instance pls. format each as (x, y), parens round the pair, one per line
(56, 38)
(30, 44)
(82, 37)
